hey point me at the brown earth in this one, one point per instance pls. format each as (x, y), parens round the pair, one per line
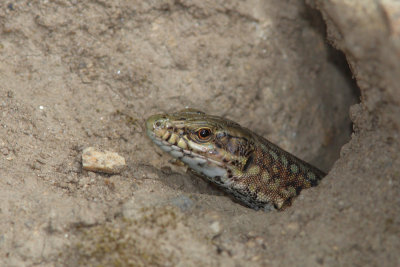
(77, 73)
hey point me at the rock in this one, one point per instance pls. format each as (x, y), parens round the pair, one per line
(97, 160)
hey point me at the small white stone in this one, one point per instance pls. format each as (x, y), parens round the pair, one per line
(102, 161)
(215, 227)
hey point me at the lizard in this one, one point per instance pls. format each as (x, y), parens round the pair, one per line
(256, 172)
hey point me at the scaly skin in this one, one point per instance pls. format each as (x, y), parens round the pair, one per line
(244, 164)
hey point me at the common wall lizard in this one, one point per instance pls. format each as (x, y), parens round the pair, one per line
(244, 164)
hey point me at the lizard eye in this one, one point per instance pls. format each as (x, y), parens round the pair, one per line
(203, 133)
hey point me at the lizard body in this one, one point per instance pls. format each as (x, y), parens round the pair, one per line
(250, 168)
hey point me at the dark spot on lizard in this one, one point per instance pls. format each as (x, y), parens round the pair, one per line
(248, 163)
(217, 179)
(201, 165)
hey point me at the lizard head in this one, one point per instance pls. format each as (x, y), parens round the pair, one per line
(210, 145)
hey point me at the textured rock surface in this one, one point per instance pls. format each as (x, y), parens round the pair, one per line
(79, 73)
(97, 160)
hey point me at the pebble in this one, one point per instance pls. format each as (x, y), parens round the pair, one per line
(105, 161)
(216, 227)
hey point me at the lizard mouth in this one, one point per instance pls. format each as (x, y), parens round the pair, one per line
(166, 136)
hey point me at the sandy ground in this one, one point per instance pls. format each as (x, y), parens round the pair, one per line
(76, 73)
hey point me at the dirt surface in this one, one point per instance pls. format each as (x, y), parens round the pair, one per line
(75, 74)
